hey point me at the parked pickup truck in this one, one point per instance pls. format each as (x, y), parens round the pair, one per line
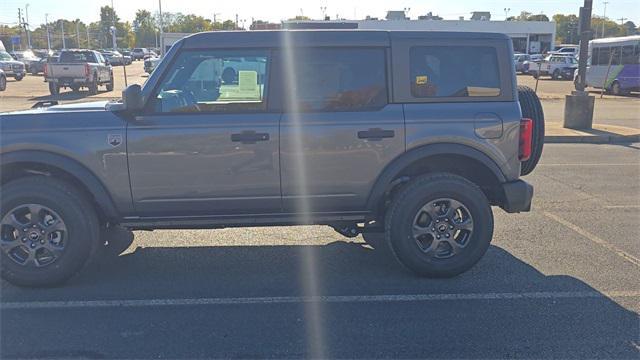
(556, 66)
(260, 128)
(79, 68)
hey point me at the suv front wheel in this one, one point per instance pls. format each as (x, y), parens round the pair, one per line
(48, 231)
(439, 225)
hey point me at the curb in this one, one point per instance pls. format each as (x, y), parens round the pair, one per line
(591, 139)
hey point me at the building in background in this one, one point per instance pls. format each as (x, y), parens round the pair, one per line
(530, 37)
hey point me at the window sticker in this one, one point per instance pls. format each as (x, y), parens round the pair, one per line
(422, 79)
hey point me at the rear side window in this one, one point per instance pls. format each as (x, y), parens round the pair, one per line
(454, 71)
(338, 79)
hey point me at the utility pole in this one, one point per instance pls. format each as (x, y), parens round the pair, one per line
(161, 31)
(26, 26)
(622, 19)
(46, 20)
(604, 16)
(88, 39)
(64, 44)
(236, 27)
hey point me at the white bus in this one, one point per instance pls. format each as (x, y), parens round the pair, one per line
(617, 60)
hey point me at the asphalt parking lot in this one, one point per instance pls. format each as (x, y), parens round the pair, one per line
(558, 282)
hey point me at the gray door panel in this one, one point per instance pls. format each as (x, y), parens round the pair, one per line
(338, 157)
(205, 164)
(491, 127)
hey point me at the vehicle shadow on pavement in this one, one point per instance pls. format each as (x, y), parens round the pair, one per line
(548, 327)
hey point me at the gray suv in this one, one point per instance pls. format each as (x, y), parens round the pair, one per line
(411, 134)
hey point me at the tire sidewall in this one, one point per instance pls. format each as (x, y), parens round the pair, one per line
(81, 234)
(401, 239)
(3, 83)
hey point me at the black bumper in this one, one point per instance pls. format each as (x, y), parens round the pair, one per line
(517, 196)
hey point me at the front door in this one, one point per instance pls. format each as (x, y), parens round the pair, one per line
(206, 144)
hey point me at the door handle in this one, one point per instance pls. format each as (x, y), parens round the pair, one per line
(249, 137)
(376, 134)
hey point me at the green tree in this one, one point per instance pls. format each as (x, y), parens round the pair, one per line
(630, 28)
(527, 16)
(144, 27)
(567, 31)
(611, 28)
(228, 25)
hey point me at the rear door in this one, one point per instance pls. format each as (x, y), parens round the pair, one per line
(339, 130)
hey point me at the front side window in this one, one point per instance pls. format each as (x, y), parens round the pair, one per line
(454, 71)
(214, 81)
(338, 79)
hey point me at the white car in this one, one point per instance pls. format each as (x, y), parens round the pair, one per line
(556, 66)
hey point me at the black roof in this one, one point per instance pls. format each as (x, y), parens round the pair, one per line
(277, 38)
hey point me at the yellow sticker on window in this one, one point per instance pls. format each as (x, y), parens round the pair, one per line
(421, 79)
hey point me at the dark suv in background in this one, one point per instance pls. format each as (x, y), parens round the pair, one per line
(414, 134)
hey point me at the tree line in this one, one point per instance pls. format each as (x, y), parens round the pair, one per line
(144, 30)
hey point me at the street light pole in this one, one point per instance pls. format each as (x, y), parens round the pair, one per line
(78, 32)
(604, 16)
(26, 10)
(161, 26)
(64, 44)
(113, 26)
(46, 20)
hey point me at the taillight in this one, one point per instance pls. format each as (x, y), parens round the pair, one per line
(526, 137)
(86, 70)
(45, 70)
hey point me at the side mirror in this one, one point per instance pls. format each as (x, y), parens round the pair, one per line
(106, 62)
(132, 97)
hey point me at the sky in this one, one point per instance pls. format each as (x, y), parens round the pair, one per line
(275, 10)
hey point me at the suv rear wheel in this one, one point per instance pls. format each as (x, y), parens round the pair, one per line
(54, 89)
(439, 225)
(48, 231)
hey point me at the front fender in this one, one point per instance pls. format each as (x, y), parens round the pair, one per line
(70, 166)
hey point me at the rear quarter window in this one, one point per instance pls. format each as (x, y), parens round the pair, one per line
(454, 71)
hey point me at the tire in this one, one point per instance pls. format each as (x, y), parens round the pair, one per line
(556, 75)
(54, 89)
(110, 84)
(532, 109)
(3, 83)
(93, 86)
(75, 88)
(406, 211)
(615, 88)
(79, 237)
(34, 72)
(19, 78)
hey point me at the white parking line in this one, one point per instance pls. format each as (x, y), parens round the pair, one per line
(622, 207)
(630, 258)
(323, 299)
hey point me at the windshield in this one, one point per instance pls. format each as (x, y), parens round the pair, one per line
(4, 56)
